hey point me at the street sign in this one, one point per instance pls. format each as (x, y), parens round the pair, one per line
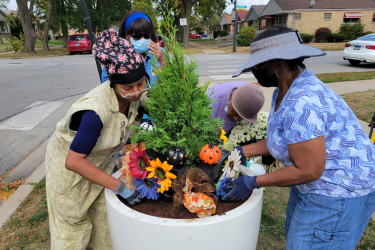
(241, 7)
(183, 21)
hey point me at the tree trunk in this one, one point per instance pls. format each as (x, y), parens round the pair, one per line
(186, 8)
(46, 25)
(27, 25)
(65, 33)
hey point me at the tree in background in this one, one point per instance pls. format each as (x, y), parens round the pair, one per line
(25, 14)
(4, 4)
(184, 9)
(147, 7)
(44, 12)
(103, 15)
(15, 24)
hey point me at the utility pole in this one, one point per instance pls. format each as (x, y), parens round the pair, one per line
(235, 26)
(91, 34)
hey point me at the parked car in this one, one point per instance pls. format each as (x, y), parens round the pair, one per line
(79, 43)
(194, 35)
(160, 40)
(360, 50)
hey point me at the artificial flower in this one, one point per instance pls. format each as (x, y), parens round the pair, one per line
(222, 136)
(138, 163)
(148, 187)
(231, 167)
(161, 171)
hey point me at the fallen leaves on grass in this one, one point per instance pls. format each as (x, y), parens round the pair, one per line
(7, 189)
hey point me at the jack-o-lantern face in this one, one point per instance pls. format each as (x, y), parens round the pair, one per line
(176, 156)
(210, 154)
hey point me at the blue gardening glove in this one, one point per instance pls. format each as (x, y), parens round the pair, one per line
(132, 196)
(243, 158)
(242, 187)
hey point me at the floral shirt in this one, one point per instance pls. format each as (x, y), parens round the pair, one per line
(310, 110)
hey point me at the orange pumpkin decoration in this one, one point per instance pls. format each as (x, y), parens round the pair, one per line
(210, 154)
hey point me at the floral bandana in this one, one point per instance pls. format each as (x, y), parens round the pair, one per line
(117, 55)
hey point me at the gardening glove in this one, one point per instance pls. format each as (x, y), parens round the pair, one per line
(132, 196)
(242, 187)
(243, 158)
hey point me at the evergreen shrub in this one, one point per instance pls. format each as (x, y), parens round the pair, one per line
(306, 38)
(246, 36)
(178, 105)
(352, 31)
(336, 38)
(223, 33)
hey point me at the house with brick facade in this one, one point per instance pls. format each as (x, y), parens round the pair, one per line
(306, 18)
(241, 22)
(253, 17)
(226, 23)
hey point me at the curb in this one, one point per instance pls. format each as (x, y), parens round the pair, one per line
(11, 205)
(27, 167)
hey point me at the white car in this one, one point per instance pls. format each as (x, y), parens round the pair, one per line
(360, 50)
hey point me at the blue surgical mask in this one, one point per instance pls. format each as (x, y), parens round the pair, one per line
(140, 45)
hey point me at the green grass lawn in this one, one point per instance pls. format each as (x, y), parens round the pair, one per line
(38, 44)
(205, 42)
(362, 104)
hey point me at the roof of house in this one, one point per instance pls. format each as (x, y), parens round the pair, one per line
(228, 18)
(242, 14)
(325, 4)
(8, 12)
(258, 8)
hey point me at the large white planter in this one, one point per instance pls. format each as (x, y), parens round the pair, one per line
(237, 229)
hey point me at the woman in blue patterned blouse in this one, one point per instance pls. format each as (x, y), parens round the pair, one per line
(329, 160)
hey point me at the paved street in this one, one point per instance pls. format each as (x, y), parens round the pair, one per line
(36, 93)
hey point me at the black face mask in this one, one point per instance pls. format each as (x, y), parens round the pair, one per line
(264, 79)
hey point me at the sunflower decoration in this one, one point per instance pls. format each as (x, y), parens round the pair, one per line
(161, 172)
(148, 187)
(222, 136)
(231, 167)
(139, 162)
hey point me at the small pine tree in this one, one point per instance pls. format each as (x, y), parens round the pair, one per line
(179, 106)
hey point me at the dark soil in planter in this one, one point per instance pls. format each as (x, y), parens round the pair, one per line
(162, 206)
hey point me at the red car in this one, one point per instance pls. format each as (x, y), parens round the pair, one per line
(160, 40)
(194, 35)
(79, 43)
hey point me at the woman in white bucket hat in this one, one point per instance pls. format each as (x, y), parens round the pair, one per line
(329, 160)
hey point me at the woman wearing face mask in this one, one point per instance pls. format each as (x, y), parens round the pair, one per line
(137, 28)
(329, 160)
(83, 149)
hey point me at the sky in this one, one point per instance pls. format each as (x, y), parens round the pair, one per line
(13, 5)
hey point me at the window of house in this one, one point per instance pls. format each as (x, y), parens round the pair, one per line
(297, 16)
(3, 27)
(373, 19)
(351, 20)
(327, 16)
(281, 20)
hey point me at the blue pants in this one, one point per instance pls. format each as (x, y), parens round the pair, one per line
(320, 222)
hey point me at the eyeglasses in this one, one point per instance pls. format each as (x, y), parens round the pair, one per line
(138, 92)
(139, 37)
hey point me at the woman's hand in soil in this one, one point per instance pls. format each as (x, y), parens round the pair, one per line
(241, 187)
(156, 50)
(132, 196)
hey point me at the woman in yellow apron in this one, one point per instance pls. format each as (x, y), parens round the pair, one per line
(82, 151)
